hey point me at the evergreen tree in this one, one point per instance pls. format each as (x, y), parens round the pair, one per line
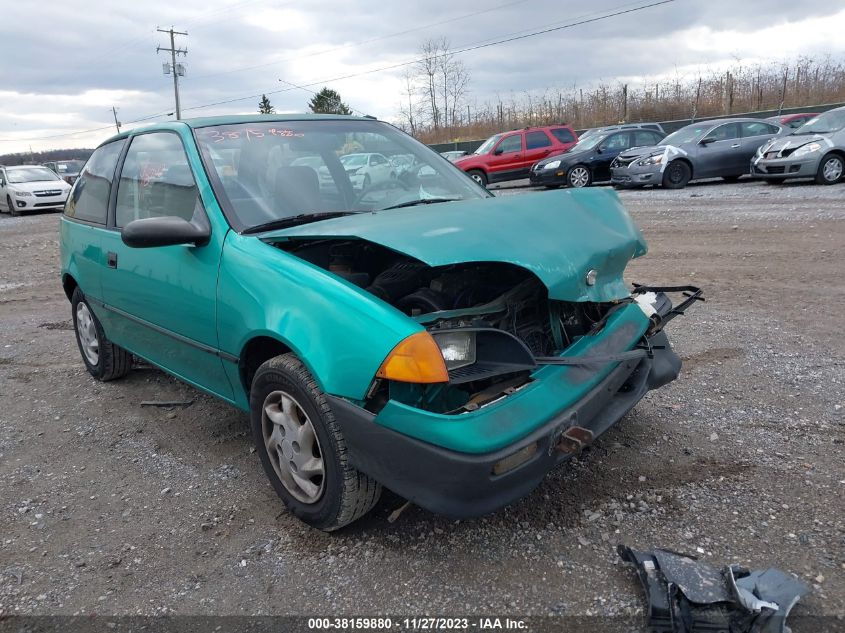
(265, 107)
(328, 101)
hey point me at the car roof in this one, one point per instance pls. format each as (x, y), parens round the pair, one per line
(729, 120)
(234, 119)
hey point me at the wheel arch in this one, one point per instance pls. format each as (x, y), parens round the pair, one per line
(69, 284)
(688, 162)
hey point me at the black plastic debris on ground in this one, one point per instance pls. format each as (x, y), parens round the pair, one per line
(687, 596)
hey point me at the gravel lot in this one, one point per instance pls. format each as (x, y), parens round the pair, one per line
(110, 508)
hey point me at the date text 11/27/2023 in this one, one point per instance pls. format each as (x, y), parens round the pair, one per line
(418, 624)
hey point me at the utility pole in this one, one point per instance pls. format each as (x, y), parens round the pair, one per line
(177, 69)
(116, 122)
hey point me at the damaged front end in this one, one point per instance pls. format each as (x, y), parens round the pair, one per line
(529, 344)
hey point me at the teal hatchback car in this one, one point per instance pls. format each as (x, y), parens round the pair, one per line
(413, 331)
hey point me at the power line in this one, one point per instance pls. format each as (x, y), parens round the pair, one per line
(360, 43)
(458, 51)
(507, 39)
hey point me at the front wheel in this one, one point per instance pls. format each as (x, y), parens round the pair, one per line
(13, 210)
(677, 175)
(302, 447)
(103, 359)
(579, 176)
(830, 170)
(478, 176)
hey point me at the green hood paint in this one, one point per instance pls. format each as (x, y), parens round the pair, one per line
(557, 235)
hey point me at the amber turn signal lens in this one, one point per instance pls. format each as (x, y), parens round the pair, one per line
(416, 358)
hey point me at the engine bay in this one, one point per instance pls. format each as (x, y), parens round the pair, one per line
(486, 297)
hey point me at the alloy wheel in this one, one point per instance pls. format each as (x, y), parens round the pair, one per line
(579, 177)
(293, 447)
(832, 169)
(87, 332)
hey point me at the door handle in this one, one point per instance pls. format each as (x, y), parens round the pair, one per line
(111, 259)
(735, 146)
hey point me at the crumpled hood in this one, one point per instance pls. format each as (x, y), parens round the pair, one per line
(557, 235)
(646, 150)
(794, 142)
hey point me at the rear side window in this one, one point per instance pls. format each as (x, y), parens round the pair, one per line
(563, 134)
(156, 180)
(89, 199)
(758, 129)
(511, 143)
(536, 140)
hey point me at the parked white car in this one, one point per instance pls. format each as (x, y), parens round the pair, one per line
(31, 188)
(366, 169)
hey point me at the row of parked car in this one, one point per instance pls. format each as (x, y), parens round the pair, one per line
(807, 145)
(42, 187)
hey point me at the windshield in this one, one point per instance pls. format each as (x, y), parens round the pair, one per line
(590, 142)
(826, 123)
(18, 175)
(487, 145)
(688, 134)
(269, 171)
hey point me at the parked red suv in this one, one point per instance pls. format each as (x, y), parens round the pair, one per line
(509, 155)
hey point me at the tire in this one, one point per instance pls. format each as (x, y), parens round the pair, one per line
(731, 178)
(676, 175)
(478, 176)
(13, 210)
(579, 176)
(831, 169)
(109, 361)
(285, 388)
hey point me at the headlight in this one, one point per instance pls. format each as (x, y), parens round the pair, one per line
(457, 348)
(764, 148)
(22, 194)
(650, 160)
(552, 165)
(807, 149)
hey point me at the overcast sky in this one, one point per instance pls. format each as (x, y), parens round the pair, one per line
(64, 64)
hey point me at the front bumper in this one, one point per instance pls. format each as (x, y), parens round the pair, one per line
(632, 176)
(788, 167)
(39, 203)
(548, 176)
(463, 484)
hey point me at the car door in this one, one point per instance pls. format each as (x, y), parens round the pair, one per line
(754, 134)
(538, 145)
(607, 150)
(506, 157)
(720, 152)
(163, 299)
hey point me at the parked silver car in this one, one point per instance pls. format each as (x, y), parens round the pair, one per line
(814, 150)
(709, 149)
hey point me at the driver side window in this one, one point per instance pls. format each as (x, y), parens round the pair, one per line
(511, 144)
(725, 132)
(156, 180)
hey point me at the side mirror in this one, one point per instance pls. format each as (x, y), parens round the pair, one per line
(600, 149)
(707, 140)
(497, 151)
(164, 231)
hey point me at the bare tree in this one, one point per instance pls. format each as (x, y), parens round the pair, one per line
(427, 68)
(409, 109)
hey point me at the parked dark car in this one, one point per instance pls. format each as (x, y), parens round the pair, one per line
(589, 161)
(509, 155)
(68, 170)
(709, 149)
(622, 126)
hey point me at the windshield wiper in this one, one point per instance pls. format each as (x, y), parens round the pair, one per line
(413, 203)
(294, 220)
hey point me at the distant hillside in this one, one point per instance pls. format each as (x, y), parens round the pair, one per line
(36, 158)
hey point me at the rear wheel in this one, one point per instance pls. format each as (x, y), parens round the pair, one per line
(103, 359)
(302, 447)
(830, 170)
(478, 176)
(579, 176)
(677, 175)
